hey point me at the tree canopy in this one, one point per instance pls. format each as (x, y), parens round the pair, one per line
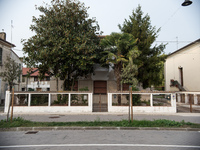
(65, 41)
(151, 59)
(119, 52)
(12, 72)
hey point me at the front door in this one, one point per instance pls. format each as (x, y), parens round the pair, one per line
(100, 103)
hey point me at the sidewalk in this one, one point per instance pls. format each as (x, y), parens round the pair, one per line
(187, 117)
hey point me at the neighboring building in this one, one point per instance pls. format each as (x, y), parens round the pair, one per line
(6, 51)
(182, 68)
(31, 81)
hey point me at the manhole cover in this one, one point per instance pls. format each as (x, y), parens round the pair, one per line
(31, 132)
(54, 117)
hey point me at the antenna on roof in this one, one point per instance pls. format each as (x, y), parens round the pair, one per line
(11, 29)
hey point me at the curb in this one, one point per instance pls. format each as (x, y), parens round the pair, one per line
(95, 128)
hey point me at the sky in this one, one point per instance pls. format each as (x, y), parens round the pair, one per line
(179, 25)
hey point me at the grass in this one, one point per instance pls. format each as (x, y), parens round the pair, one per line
(20, 122)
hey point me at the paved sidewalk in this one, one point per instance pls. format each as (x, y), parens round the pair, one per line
(187, 117)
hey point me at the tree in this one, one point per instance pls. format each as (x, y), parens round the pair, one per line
(65, 43)
(129, 72)
(151, 59)
(118, 49)
(12, 72)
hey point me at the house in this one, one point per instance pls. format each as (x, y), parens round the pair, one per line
(100, 83)
(6, 51)
(32, 82)
(182, 69)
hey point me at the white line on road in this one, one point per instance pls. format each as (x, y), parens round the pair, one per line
(100, 145)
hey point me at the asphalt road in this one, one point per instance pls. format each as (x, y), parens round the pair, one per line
(96, 140)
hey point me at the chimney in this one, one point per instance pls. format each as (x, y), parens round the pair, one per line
(3, 35)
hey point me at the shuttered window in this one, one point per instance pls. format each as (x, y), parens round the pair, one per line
(100, 87)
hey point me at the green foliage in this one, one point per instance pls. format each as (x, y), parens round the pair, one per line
(120, 51)
(84, 89)
(129, 74)
(39, 100)
(20, 122)
(61, 99)
(65, 43)
(12, 72)
(151, 59)
(136, 98)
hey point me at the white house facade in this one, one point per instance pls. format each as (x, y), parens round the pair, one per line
(182, 69)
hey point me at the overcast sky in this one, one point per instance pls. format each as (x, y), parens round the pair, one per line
(177, 23)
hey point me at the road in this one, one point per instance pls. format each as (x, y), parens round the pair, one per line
(101, 139)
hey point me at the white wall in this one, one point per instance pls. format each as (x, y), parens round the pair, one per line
(189, 60)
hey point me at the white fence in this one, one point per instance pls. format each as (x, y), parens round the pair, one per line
(144, 109)
(185, 96)
(49, 108)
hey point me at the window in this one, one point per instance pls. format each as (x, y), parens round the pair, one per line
(35, 78)
(23, 78)
(1, 56)
(47, 78)
(100, 87)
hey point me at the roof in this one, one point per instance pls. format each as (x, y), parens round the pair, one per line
(184, 47)
(7, 43)
(34, 72)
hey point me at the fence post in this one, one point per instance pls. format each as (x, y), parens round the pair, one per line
(186, 99)
(29, 99)
(49, 100)
(173, 101)
(90, 100)
(179, 97)
(69, 100)
(109, 101)
(195, 99)
(7, 101)
(151, 100)
(190, 101)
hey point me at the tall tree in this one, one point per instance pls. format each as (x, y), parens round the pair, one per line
(151, 60)
(117, 50)
(12, 72)
(66, 41)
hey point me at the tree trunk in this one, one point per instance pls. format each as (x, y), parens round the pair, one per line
(118, 68)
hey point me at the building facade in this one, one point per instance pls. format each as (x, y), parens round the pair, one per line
(6, 51)
(32, 82)
(182, 69)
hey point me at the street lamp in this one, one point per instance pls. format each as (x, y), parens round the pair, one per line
(187, 3)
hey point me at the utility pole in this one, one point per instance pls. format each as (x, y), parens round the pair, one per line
(130, 104)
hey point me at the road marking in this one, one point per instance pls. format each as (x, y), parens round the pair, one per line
(101, 145)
